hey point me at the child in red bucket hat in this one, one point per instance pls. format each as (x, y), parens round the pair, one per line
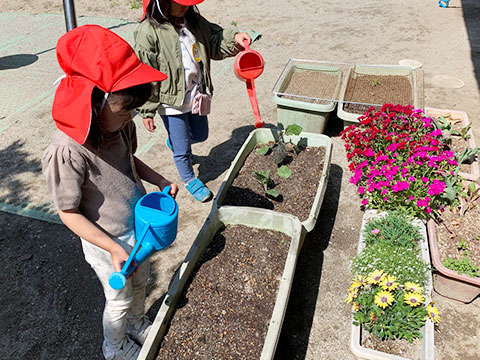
(93, 174)
(174, 38)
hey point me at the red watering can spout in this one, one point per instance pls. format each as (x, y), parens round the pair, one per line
(248, 66)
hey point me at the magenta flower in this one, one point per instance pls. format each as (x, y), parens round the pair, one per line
(361, 190)
(436, 187)
(364, 201)
(375, 231)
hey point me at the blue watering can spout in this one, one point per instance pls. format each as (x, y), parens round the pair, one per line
(156, 220)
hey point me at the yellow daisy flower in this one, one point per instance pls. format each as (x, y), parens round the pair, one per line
(410, 286)
(413, 298)
(384, 299)
(433, 313)
(373, 317)
(350, 297)
(356, 307)
(389, 283)
(355, 287)
(375, 277)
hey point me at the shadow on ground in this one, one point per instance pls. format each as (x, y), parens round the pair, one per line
(298, 320)
(471, 15)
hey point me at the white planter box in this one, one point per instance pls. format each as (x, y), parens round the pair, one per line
(427, 330)
(252, 217)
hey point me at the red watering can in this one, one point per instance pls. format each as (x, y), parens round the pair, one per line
(249, 65)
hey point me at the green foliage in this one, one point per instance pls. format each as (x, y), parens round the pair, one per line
(393, 229)
(284, 172)
(279, 148)
(234, 23)
(397, 321)
(401, 262)
(135, 4)
(464, 265)
(462, 133)
(375, 82)
(263, 177)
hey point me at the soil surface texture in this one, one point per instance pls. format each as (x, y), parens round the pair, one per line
(459, 236)
(297, 193)
(225, 311)
(316, 85)
(399, 347)
(376, 89)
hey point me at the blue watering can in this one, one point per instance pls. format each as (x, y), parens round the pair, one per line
(156, 219)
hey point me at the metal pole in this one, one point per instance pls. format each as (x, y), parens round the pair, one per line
(69, 10)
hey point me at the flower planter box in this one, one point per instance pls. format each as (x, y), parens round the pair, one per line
(448, 282)
(375, 85)
(304, 94)
(471, 171)
(263, 136)
(427, 331)
(250, 217)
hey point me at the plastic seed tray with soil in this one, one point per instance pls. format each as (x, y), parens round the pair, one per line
(224, 312)
(453, 231)
(376, 89)
(312, 86)
(297, 193)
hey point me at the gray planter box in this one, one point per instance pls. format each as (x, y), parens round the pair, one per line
(262, 136)
(256, 218)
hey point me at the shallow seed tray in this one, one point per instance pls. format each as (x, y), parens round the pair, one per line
(374, 85)
(251, 217)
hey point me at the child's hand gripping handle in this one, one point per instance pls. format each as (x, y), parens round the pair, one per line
(118, 279)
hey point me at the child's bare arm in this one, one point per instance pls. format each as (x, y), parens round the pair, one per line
(148, 174)
(149, 124)
(84, 228)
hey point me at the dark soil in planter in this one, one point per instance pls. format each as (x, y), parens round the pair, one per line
(225, 311)
(315, 84)
(376, 89)
(453, 229)
(400, 347)
(297, 192)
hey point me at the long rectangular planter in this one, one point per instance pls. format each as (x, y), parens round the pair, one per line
(311, 111)
(474, 172)
(416, 82)
(263, 136)
(427, 331)
(252, 217)
(448, 282)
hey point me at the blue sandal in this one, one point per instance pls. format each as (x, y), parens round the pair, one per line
(198, 190)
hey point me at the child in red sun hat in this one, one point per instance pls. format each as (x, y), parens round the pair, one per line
(174, 38)
(92, 172)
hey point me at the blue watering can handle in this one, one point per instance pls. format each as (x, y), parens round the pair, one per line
(166, 190)
(135, 249)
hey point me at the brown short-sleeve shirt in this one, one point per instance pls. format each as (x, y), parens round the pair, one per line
(102, 184)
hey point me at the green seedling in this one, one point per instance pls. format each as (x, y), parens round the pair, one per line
(462, 266)
(463, 133)
(469, 199)
(284, 172)
(463, 244)
(135, 4)
(375, 82)
(279, 148)
(263, 177)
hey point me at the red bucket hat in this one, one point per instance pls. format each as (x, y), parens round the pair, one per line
(90, 56)
(181, 2)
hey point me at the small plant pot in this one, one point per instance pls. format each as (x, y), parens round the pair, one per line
(427, 330)
(304, 95)
(263, 136)
(375, 85)
(473, 171)
(446, 282)
(251, 217)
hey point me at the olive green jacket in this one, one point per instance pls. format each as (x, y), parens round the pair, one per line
(159, 47)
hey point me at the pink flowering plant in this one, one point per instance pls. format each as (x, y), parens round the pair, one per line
(400, 161)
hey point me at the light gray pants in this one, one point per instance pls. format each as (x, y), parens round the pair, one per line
(122, 305)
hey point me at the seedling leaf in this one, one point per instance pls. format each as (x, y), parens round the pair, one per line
(264, 150)
(284, 172)
(273, 193)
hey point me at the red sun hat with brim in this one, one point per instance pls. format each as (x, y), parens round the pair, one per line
(181, 2)
(90, 56)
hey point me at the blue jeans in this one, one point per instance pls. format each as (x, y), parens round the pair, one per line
(183, 131)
